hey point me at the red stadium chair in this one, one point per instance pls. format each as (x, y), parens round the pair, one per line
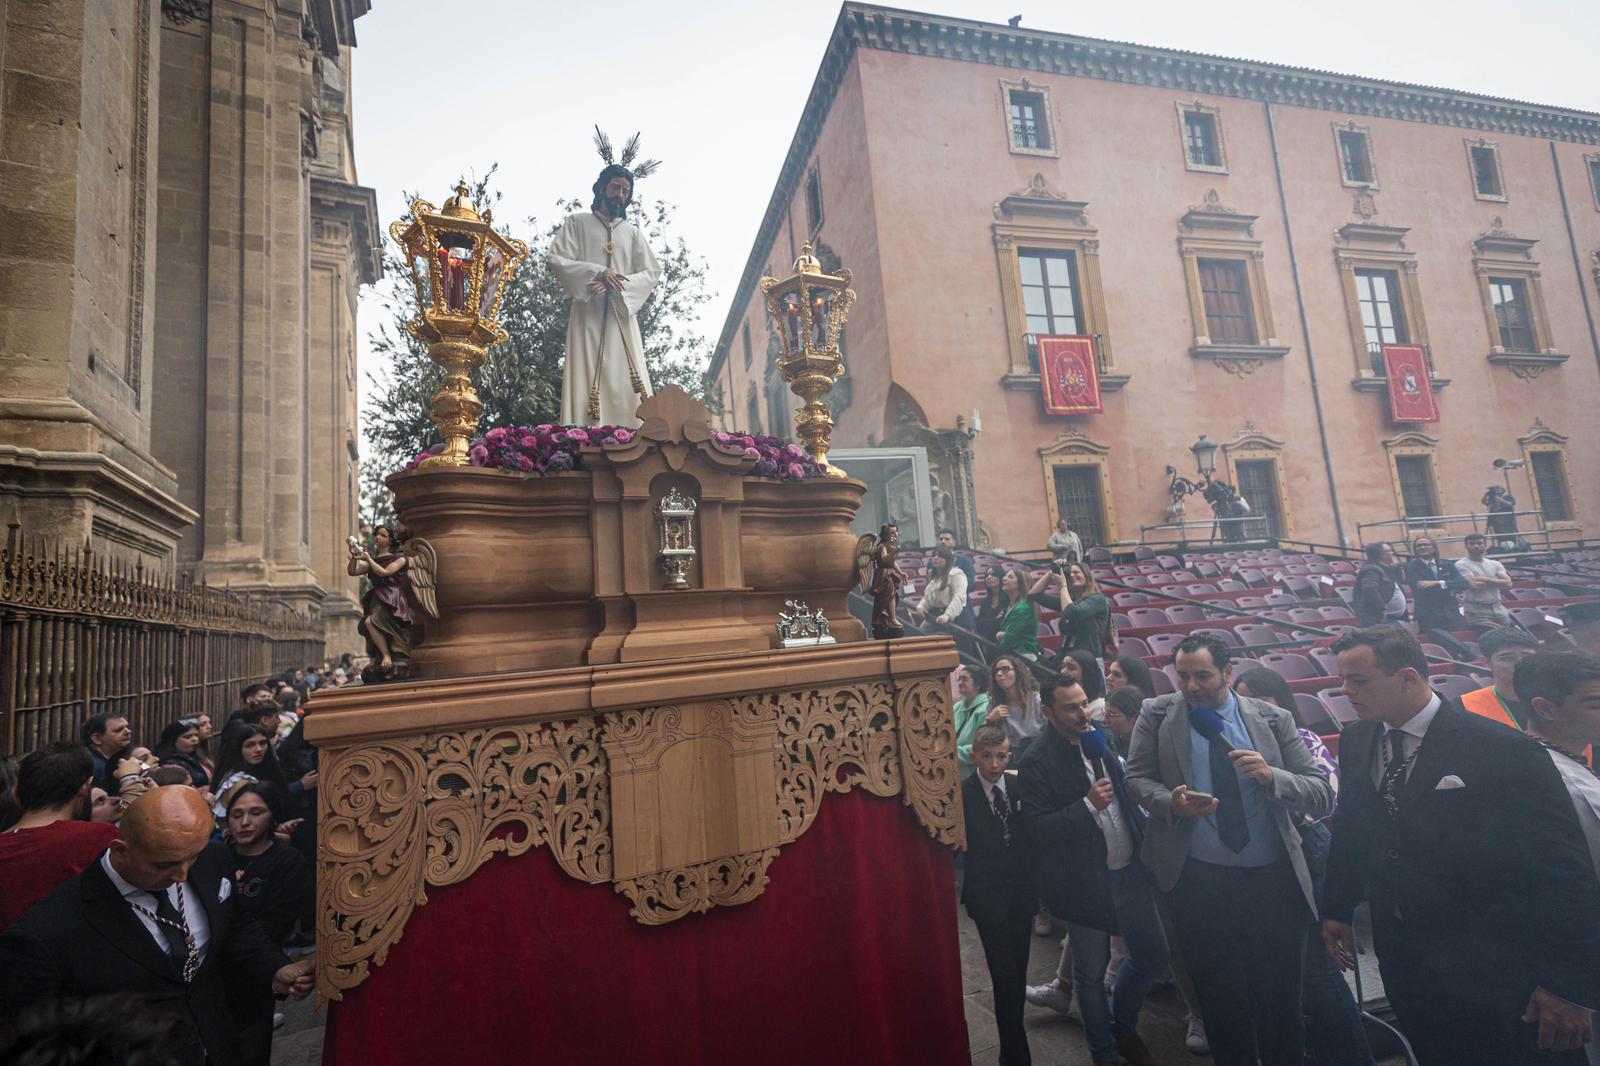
(1290, 666)
(1340, 709)
(1139, 617)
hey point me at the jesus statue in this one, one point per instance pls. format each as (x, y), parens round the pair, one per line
(605, 264)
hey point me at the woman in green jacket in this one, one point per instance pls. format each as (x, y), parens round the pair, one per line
(1085, 611)
(1019, 626)
(971, 711)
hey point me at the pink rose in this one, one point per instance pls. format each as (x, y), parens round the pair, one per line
(751, 453)
(579, 435)
(624, 436)
(479, 455)
(796, 471)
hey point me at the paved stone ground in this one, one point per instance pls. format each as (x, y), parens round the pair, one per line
(1052, 1039)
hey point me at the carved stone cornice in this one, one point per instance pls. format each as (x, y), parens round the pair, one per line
(677, 782)
(1038, 199)
(1496, 242)
(1019, 48)
(1213, 217)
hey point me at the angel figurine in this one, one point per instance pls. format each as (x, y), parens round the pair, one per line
(881, 578)
(401, 571)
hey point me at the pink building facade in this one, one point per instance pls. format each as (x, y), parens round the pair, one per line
(1237, 237)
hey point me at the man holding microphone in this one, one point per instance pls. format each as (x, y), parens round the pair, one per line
(1221, 775)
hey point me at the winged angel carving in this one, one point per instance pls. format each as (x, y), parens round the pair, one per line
(881, 577)
(400, 573)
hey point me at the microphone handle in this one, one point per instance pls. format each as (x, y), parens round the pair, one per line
(1099, 768)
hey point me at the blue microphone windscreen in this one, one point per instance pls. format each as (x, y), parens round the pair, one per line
(1206, 722)
(1094, 745)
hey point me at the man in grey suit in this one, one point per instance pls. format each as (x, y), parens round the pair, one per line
(1222, 775)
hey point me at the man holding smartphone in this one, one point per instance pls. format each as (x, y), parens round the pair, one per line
(1221, 775)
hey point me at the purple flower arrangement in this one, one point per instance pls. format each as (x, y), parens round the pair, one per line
(549, 449)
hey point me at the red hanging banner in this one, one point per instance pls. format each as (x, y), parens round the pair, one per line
(1410, 388)
(1070, 373)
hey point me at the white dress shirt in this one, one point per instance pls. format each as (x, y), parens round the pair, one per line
(1119, 842)
(194, 908)
(1412, 734)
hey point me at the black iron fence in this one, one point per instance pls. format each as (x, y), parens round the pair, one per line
(81, 634)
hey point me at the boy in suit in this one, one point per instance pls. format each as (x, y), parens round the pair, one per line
(1000, 890)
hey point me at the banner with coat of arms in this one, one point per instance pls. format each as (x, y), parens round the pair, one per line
(1410, 388)
(1070, 372)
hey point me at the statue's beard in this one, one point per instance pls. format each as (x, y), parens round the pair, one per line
(615, 207)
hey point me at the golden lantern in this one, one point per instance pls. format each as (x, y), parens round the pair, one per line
(460, 266)
(811, 308)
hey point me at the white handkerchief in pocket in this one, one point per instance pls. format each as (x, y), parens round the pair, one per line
(225, 890)
(1449, 781)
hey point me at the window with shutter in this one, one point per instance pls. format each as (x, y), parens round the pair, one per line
(1224, 288)
(1078, 497)
(1550, 479)
(1510, 299)
(1258, 484)
(1049, 296)
(1416, 485)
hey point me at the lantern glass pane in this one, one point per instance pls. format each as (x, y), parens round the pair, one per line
(455, 270)
(791, 322)
(494, 263)
(821, 309)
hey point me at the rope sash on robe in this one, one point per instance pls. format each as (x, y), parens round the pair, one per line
(614, 303)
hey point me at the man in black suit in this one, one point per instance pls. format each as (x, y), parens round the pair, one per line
(999, 887)
(150, 920)
(1087, 831)
(1485, 908)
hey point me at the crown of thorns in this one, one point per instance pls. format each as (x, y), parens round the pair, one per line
(630, 151)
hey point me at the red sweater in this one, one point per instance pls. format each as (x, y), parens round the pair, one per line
(35, 862)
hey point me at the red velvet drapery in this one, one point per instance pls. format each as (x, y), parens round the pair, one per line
(850, 955)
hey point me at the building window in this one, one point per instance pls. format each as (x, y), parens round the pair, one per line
(753, 412)
(1383, 319)
(748, 355)
(1592, 161)
(1415, 474)
(777, 405)
(1509, 297)
(1484, 159)
(814, 199)
(1050, 301)
(1203, 149)
(1030, 129)
(1027, 121)
(1079, 500)
(1258, 485)
(1549, 474)
(1225, 291)
(1355, 157)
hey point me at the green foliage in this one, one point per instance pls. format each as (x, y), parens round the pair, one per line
(521, 382)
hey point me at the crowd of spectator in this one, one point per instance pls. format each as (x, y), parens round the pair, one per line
(175, 878)
(1203, 836)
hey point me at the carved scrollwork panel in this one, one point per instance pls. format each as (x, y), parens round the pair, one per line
(412, 812)
(667, 896)
(927, 754)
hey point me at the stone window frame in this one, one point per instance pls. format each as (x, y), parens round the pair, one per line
(749, 350)
(1252, 444)
(1591, 169)
(1074, 448)
(1048, 123)
(1212, 231)
(1200, 107)
(1338, 155)
(1542, 439)
(1499, 254)
(1368, 246)
(1469, 143)
(1035, 217)
(1414, 442)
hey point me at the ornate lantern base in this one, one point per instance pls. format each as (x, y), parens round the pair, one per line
(456, 408)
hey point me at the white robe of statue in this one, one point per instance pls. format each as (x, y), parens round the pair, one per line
(577, 255)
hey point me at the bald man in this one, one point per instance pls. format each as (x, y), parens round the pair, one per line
(155, 918)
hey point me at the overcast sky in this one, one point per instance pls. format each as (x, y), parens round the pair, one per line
(443, 88)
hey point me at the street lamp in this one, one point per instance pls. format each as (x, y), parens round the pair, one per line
(1205, 456)
(811, 308)
(1227, 506)
(460, 267)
